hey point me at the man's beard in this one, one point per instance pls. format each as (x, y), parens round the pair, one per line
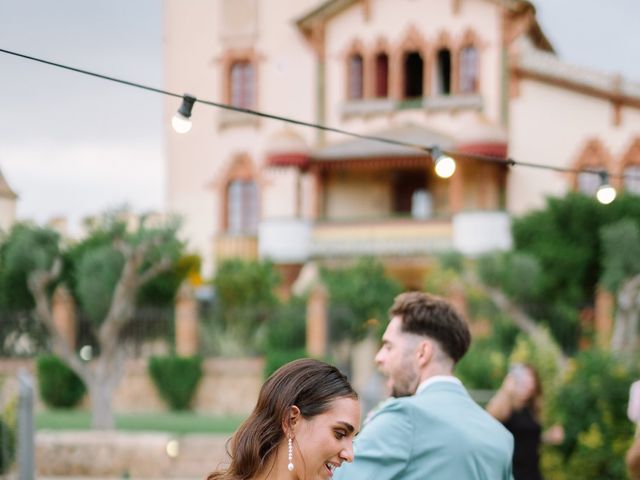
(406, 384)
(397, 393)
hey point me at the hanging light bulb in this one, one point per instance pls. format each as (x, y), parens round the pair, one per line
(445, 166)
(181, 121)
(606, 193)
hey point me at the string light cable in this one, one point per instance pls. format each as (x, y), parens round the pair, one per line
(444, 162)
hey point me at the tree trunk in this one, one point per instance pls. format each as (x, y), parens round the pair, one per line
(106, 373)
(101, 393)
(625, 330)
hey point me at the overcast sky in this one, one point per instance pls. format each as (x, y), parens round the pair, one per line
(71, 145)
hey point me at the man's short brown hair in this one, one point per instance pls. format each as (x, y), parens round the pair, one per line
(433, 317)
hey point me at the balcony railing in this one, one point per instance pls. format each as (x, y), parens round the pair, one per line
(285, 240)
(479, 232)
(375, 106)
(382, 237)
(296, 240)
(235, 246)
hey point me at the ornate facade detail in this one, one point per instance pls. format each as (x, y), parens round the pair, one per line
(594, 156)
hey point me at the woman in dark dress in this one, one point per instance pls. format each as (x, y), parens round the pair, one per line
(517, 405)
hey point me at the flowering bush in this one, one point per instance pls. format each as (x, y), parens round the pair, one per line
(591, 404)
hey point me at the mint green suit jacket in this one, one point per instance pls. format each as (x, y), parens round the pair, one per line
(437, 434)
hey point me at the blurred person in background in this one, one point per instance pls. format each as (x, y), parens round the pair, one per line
(633, 412)
(633, 458)
(518, 405)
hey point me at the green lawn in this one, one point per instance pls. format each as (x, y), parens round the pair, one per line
(174, 422)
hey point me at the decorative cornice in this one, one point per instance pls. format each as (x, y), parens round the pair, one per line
(330, 8)
(546, 67)
(322, 13)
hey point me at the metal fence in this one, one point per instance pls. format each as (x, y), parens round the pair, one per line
(151, 331)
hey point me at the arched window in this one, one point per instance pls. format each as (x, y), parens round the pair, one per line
(594, 157)
(442, 82)
(382, 75)
(588, 183)
(356, 70)
(632, 179)
(469, 70)
(413, 75)
(630, 166)
(242, 207)
(242, 84)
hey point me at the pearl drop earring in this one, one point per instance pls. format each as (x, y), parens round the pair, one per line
(290, 456)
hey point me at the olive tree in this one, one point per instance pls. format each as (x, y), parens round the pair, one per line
(107, 273)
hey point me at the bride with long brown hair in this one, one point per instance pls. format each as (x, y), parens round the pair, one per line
(302, 427)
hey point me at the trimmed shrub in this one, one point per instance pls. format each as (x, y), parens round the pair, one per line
(176, 379)
(59, 386)
(7, 446)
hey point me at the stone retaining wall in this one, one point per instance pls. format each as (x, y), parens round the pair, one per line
(92, 454)
(228, 386)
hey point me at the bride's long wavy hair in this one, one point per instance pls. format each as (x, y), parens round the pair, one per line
(309, 384)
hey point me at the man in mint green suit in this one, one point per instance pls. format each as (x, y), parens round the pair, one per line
(431, 429)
